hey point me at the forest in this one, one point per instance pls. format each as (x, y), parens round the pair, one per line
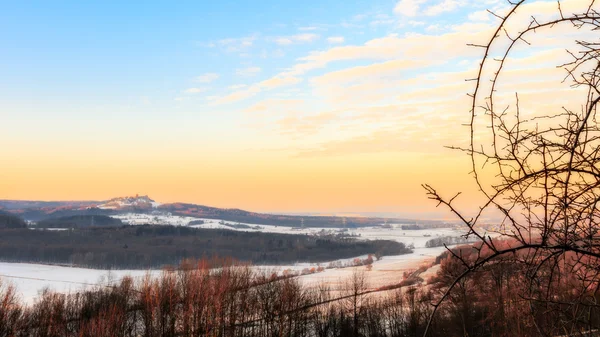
(141, 247)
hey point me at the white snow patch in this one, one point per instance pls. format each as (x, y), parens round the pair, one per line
(30, 279)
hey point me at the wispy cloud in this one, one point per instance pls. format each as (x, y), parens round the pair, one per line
(250, 91)
(408, 7)
(335, 39)
(248, 72)
(235, 44)
(195, 90)
(298, 38)
(237, 86)
(443, 7)
(207, 78)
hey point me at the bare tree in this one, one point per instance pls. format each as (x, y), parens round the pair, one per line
(546, 173)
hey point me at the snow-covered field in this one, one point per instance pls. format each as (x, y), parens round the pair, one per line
(31, 279)
(417, 238)
(158, 218)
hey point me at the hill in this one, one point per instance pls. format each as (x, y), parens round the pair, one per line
(39, 210)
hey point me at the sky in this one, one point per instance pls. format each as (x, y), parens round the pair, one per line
(272, 106)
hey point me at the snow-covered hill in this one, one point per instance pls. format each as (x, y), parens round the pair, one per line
(135, 202)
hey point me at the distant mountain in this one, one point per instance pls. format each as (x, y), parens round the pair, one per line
(40, 210)
(135, 203)
(238, 215)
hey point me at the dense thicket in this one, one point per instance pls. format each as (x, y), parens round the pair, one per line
(536, 162)
(155, 246)
(77, 221)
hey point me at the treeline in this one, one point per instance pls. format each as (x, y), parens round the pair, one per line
(197, 300)
(39, 214)
(78, 221)
(141, 247)
(448, 240)
(238, 215)
(8, 220)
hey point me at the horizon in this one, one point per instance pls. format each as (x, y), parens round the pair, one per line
(438, 216)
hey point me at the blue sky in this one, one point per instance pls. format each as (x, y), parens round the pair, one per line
(126, 50)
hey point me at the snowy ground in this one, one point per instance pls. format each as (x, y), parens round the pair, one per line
(417, 238)
(31, 279)
(387, 271)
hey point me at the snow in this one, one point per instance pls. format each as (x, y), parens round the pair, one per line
(389, 270)
(31, 279)
(155, 218)
(417, 238)
(119, 203)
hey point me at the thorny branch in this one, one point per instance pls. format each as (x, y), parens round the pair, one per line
(545, 167)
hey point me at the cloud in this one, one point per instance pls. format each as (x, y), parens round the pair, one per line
(283, 41)
(207, 78)
(414, 46)
(250, 71)
(415, 23)
(408, 7)
(237, 86)
(482, 15)
(194, 90)
(381, 20)
(250, 91)
(235, 44)
(376, 70)
(300, 126)
(298, 38)
(413, 8)
(275, 106)
(443, 7)
(276, 82)
(391, 47)
(335, 39)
